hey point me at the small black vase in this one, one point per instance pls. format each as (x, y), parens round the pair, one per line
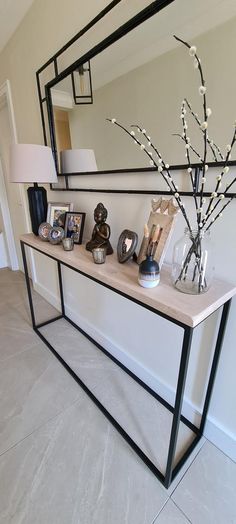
(149, 273)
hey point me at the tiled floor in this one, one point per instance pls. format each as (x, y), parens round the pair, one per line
(61, 461)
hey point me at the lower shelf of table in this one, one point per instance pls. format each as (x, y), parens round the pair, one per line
(146, 420)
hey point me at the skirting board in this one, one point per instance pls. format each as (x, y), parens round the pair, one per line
(214, 432)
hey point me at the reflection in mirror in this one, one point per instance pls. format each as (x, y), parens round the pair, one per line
(143, 78)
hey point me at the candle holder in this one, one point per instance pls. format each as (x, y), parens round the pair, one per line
(68, 244)
(99, 255)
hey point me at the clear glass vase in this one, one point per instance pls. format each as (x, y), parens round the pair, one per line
(192, 268)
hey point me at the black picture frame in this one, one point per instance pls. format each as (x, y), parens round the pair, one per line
(74, 225)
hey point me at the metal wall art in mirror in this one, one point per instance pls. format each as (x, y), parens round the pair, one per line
(126, 246)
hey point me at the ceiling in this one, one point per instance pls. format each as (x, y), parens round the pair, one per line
(11, 14)
(196, 16)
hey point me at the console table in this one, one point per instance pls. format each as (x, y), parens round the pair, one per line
(186, 311)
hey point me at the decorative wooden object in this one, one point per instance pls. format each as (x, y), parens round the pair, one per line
(162, 216)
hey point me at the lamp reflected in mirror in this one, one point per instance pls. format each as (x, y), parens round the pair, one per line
(78, 160)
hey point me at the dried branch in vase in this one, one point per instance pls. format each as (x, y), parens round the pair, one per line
(208, 210)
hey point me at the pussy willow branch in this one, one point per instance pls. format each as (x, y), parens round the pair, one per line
(186, 140)
(219, 214)
(210, 142)
(173, 191)
(166, 169)
(208, 214)
(191, 147)
(209, 211)
(163, 168)
(205, 119)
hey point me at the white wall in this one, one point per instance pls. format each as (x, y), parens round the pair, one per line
(128, 330)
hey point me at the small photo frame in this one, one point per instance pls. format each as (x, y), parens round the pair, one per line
(55, 210)
(74, 226)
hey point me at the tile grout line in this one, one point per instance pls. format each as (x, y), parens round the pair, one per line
(223, 452)
(181, 511)
(18, 354)
(159, 512)
(187, 469)
(39, 427)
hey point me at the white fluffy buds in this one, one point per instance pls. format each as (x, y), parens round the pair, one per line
(192, 50)
(202, 90)
(204, 126)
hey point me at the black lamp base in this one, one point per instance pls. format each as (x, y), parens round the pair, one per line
(37, 206)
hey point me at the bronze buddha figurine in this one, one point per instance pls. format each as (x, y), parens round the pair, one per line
(101, 231)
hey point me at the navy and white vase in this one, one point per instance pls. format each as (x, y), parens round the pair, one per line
(149, 273)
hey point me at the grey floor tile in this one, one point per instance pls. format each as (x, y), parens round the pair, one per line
(207, 493)
(17, 334)
(170, 514)
(77, 469)
(10, 277)
(141, 415)
(34, 387)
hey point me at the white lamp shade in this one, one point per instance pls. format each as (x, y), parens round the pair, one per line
(30, 163)
(77, 160)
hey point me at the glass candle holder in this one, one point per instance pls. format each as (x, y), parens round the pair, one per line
(99, 255)
(68, 244)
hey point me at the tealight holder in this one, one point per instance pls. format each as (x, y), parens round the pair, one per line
(99, 255)
(68, 244)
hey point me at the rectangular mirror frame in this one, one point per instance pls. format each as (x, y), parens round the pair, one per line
(131, 24)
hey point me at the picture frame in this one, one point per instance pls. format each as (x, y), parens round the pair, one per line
(74, 226)
(163, 216)
(55, 212)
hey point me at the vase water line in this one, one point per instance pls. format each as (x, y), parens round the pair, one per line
(192, 268)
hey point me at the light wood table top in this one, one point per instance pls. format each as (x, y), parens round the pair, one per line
(189, 310)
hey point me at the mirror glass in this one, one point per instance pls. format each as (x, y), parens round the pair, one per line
(142, 79)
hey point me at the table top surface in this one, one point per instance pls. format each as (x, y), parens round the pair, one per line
(189, 310)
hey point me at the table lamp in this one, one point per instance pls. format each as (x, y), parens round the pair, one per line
(32, 163)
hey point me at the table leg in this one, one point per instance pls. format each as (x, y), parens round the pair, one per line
(187, 340)
(215, 362)
(27, 279)
(61, 288)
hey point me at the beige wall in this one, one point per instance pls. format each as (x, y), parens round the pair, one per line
(146, 348)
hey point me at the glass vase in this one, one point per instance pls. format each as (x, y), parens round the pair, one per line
(192, 268)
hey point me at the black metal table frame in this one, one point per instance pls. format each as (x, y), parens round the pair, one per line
(171, 470)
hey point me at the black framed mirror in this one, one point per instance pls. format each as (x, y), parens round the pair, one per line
(125, 76)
